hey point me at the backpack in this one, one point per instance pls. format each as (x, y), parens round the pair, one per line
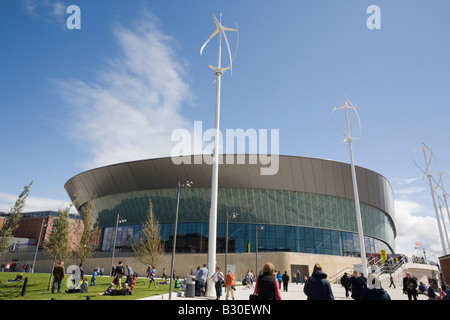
(120, 269)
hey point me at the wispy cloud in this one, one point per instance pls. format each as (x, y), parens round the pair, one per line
(131, 109)
(53, 11)
(32, 203)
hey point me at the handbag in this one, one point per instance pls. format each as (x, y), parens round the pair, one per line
(253, 296)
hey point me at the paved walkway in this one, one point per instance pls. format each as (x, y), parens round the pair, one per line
(295, 292)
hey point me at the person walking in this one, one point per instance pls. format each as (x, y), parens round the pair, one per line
(218, 281)
(285, 280)
(391, 278)
(317, 286)
(120, 272)
(410, 287)
(374, 291)
(229, 284)
(202, 276)
(266, 287)
(356, 285)
(58, 274)
(345, 283)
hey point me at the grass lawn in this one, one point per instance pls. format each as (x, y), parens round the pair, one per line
(38, 284)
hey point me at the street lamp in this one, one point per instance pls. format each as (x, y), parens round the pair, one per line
(37, 245)
(229, 216)
(256, 247)
(115, 238)
(188, 184)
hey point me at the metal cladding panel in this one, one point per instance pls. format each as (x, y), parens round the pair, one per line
(389, 195)
(307, 169)
(297, 174)
(371, 186)
(361, 180)
(227, 176)
(199, 174)
(382, 203)
(104, 179)
(318, 176)
(348, 182)
(75, 186)
(123, 178)
(145, 175)
(285, 172)
(253, 170)
(92, 187)
(338, 175)
(330, 185)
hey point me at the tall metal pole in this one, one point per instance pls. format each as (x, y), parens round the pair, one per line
(114, 245)
(174, 240)
(256, 249)
(218, 70)
(429, 176)
(37, 245)
(349, 139)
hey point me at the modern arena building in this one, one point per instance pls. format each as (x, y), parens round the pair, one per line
(306, 209)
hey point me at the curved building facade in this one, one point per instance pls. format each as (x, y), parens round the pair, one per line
(306, 207)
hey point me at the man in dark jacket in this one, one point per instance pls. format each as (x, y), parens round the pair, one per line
(356, 284)
(410, 287)
(317, 287)
(58, 274)
(344, 282)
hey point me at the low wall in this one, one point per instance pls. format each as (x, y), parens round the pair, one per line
(185, 263)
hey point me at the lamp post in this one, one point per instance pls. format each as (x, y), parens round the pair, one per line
(349, 139)
(218, 71)
(231, 216)
(115, 238)
(188, 184)
(37, 245)
(256, 248)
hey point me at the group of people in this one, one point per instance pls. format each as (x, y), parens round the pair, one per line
(361, 288)
(220, 280)
(433, 292)
(11, 267)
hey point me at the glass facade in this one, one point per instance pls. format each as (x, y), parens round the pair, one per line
(293, 221)
(193, 238)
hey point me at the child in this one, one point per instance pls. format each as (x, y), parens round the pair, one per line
(109, 290)
(94, 277)
(133, 280)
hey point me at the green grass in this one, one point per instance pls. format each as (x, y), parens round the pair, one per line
(38, 285)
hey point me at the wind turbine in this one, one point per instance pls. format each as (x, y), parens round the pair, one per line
(218, 71)
(427, 173)
(349, 139)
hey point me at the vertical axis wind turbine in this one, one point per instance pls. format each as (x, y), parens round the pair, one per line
(349, 139)
(427, 173)
(218, 70)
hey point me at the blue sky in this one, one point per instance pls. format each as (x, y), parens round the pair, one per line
(114, 90)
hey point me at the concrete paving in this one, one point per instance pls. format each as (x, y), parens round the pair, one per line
(295, 292)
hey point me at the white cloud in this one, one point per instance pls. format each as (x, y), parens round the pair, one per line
(410, 190)
(413, 226)
(132, 109)
(32, 203)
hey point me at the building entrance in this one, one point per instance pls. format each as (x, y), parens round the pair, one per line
(301, 269)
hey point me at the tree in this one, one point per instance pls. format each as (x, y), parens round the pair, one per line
(58, 245)
(150, 250)
(84, 249)
(13, 219)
